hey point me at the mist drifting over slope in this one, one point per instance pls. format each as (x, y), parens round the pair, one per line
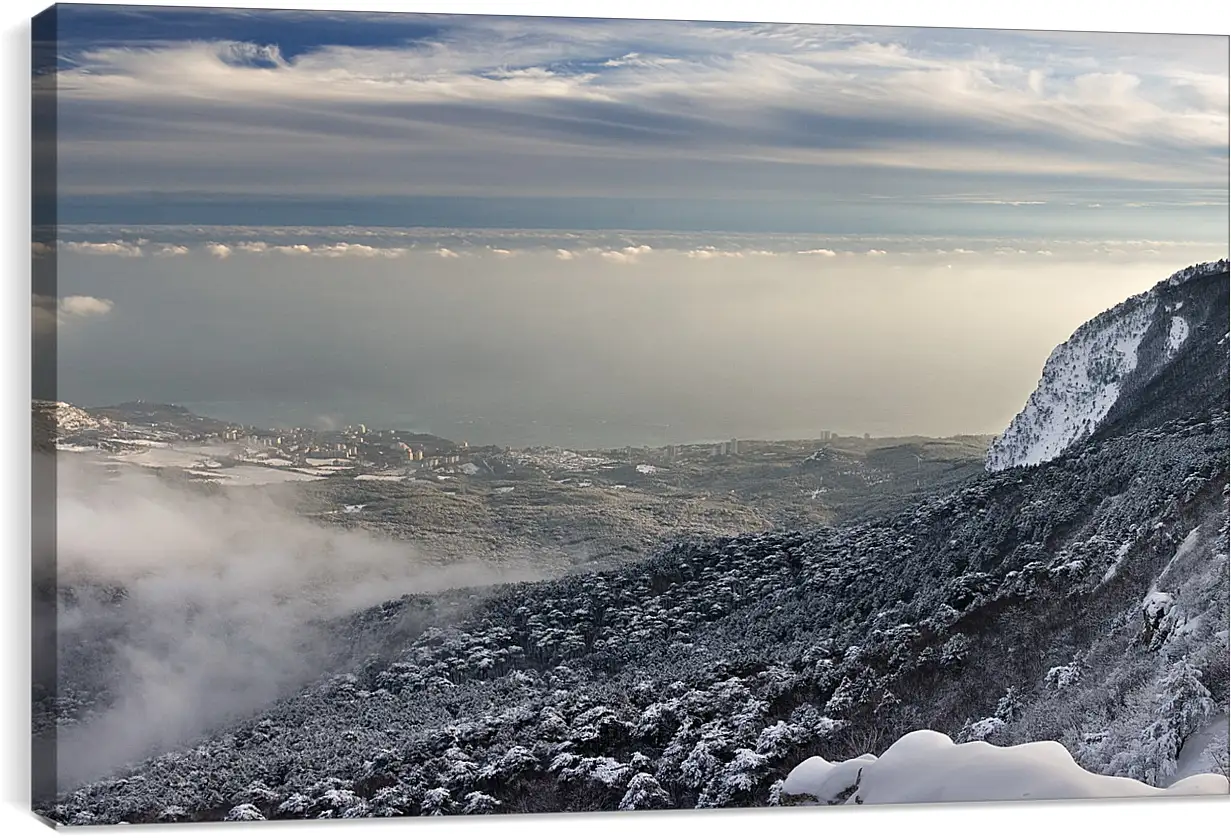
(189, 608)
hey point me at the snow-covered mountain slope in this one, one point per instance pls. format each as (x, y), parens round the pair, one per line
(1017, 609)
(1102, 372)
(68, 419)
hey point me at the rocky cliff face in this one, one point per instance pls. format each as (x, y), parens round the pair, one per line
(1132, 365)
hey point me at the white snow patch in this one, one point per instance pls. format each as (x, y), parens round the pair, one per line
(927, 767)
(1188, 627)
(1192, 758)
(469, 469)
(160, 456)
(1121, 553)
(387, 477)
(1186, 547)
(1177, 335)
(353, 507)
(257, 476)
(504, 490)
(1157, 604)
(140, 441)
(74, 449)
(646, 468)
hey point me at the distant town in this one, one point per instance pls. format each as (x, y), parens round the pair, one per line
(361, 447)
(353, 445)
(356, 449)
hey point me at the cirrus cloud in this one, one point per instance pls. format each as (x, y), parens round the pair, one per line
(596, 109)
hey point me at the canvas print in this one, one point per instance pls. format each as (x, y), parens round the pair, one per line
(474, 415)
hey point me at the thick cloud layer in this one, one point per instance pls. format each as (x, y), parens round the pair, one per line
(224, 600)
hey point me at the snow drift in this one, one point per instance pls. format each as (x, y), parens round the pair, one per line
(927, 767)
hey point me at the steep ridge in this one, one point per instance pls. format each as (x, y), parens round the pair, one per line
(1083, 600)
(1125, 366)
(1185, 354)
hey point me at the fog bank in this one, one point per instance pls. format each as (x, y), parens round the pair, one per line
(223, 599)
(623, 344)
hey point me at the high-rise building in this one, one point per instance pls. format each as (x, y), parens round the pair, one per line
(734, 446)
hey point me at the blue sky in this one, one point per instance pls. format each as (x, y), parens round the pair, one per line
(315, 118)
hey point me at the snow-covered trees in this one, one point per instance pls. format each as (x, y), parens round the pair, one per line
(702, 674)
(1144, 741)
(1183, 706)
(1216, 757)
(478, 803)
(644, 792)
(244, 812)
(1061, 678)
(438, 801)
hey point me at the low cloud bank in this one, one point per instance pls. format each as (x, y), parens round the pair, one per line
(190, 608)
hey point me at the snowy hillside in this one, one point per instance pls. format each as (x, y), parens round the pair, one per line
(703, 675)
(68, 419)
(928, 767)
(1088, 374)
